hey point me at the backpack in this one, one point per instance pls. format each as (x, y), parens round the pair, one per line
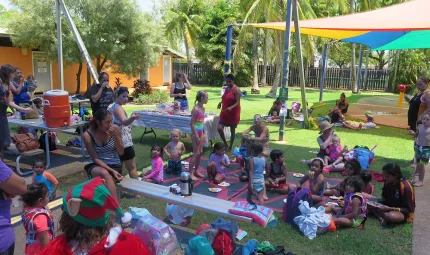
(291, 208)
(223, 243)
(364, 156)
(52, 137)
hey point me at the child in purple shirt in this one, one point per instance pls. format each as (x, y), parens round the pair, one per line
(218, 162)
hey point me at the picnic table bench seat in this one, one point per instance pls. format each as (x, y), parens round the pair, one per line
(12, 150)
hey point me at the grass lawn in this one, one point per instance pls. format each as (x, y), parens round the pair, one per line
(395, 145)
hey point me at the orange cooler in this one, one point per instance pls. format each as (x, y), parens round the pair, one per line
(56, 108)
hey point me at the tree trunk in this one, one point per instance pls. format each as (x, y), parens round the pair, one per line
(265, 52)
(87, 93)
(189, 61)
(78, 77)
(366, 70)
(353, 71)
(255, 59)
(277, 81)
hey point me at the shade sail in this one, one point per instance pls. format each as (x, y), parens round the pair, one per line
(402, 26)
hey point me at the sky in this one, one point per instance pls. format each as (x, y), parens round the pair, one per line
(146, 5)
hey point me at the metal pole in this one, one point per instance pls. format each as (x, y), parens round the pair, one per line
(59, 46)
(366, 66)
(360, 63)
(227, 62)
(323, 71)
(300, 62)
(286, 61)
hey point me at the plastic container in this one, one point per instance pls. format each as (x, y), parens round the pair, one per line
(56, 108)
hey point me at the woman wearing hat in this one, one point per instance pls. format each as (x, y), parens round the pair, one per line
(325, 139)
(87, 224)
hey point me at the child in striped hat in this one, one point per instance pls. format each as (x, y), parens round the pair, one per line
(87, 224)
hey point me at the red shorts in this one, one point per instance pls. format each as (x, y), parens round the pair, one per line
(280, 186)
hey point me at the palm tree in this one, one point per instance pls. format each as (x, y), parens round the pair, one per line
(183, 21)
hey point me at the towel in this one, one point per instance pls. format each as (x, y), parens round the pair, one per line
(311, 219)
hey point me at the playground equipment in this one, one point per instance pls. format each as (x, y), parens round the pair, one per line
(402, 88)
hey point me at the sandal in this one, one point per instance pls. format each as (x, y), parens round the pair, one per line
(418, 184)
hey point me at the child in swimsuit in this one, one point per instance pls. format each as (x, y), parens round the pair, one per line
(316, 180)
(198, 134)
(257, 165)
(277, 173)
(174, 150)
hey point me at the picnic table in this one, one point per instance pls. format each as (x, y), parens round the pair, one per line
(199, 202)
(38, 124)
(73, 101)
(157, 120)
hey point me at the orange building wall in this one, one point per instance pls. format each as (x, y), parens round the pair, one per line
(14, 57)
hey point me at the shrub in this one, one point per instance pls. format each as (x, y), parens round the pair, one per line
(141, 87)
(156, 98)
(118, 83)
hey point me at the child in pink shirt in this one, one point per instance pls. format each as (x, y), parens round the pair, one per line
(156, 175)
(333, 152)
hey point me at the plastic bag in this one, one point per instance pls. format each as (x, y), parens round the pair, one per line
(179, 215)
(199, 245)
(158, 237)
(223, 224)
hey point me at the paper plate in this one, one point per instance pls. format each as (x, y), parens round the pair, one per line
(215, 190)
(332, 203)
(298, 175)
(224, 184)
(375, 204)
(336, 198)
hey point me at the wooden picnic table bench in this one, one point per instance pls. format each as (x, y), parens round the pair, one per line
(197, 201)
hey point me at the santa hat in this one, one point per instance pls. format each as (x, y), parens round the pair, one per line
(89, 203)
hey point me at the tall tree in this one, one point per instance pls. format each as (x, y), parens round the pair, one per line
(183, 24)
(112, 30)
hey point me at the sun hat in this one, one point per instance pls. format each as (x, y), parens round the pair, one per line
(324, 125)
(368, 113)
(89, 203)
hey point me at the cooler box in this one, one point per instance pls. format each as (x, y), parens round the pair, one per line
(56, 108)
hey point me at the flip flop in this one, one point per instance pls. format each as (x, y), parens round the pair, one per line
(418, 184)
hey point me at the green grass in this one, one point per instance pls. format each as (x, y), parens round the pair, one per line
(395, 145)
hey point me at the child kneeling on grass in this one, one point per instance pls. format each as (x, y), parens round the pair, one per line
(316, 180)
(257, 165)
(354, 210)
(156, 175)
(277, 173)
(218, 162)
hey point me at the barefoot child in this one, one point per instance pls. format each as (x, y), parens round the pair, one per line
(354, 210)
(333, 152)
(174, 150)
(257, 165)
(277, 173)
(37, 219)
(42, 176)
(316, 180)
(352, 168)
(156, 175)
(198, 134)
(218, 162)
(422, 148)
(368, 188)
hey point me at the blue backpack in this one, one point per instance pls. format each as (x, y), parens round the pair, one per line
(364, 156)
(291, 208)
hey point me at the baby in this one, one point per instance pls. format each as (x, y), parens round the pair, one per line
(333, 152)
(174, 150)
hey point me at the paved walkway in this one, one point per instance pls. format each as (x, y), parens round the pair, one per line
(421, 231)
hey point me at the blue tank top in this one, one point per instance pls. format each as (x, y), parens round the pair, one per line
(259, 166)
(21, 97)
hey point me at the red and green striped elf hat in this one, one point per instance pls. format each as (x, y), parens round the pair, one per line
(88, 203)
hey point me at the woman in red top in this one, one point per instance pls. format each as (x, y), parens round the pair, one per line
(230, 110)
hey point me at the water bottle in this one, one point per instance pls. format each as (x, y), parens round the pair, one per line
(284, 111)
(15, 201)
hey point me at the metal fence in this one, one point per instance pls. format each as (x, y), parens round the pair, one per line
(336, 78)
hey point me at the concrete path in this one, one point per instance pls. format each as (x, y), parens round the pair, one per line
(421, 231)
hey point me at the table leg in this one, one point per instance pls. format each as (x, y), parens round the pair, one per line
(48, 155)
(233, 235)
(148, 132)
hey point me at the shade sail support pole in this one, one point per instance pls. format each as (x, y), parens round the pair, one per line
(323, 71)
(286, 61)
(360, 64)
(59, 45)
(227, 63)
(300, 62)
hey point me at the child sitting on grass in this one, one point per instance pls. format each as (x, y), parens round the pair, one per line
(333, 152)
(156, 175)
(218, 162)
(277, 173)
(316, 180)
(174, 150)
(40, 175)
(422, 148)
(352, 168)
(257, 166)
(354, 210)
(37, 219)
(274, 118)
(368, 188)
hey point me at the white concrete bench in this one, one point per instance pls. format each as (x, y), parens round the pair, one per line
(12, 150)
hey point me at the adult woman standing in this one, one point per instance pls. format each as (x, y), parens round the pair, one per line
(230, 110)
(19, 88)
(103, 142)
(416, 105)
(121, 119)
(7, 73)
(11, 185)
(261, 132)
(178, 90)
